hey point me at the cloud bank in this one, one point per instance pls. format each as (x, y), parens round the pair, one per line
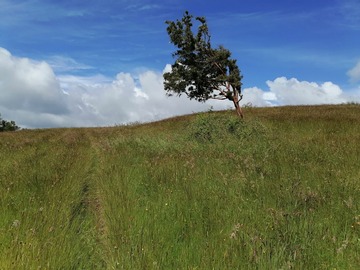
(294, 92)
(34, 96)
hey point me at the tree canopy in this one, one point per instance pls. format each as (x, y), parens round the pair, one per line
(200, 71)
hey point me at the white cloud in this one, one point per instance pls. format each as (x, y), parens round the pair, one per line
(295, 92)
(33, 96)
(67, 81)
(125, 100)
(29, 85)
(354, 73)
(256, 97)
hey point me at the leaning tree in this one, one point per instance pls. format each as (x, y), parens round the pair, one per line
(200, 71)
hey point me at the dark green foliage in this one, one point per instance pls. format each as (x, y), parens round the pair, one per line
(7, 125)
(200, 71)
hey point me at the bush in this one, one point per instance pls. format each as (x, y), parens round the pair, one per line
(211, 127)
(7, 125)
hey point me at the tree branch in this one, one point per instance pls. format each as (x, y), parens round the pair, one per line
(220, 98)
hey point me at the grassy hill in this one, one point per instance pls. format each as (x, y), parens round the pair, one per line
(279, 190)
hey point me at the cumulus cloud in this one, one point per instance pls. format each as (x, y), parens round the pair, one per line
(295, 92)
(254, 96)
(354, 73)
(122, 100)
(33, 96)
(29, 85)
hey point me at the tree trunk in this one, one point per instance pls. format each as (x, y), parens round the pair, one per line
(237, 107)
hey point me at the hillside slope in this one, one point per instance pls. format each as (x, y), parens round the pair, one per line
(278, 190)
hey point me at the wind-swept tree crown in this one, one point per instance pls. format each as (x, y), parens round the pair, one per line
(200, 71)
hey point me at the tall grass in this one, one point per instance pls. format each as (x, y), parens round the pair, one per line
(277, 191)
(45, 218)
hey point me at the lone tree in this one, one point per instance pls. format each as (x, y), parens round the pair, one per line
(200, 71)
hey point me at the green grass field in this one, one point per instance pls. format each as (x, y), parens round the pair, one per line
(279, 190)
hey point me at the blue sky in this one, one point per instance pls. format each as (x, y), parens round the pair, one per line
(83, 48)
